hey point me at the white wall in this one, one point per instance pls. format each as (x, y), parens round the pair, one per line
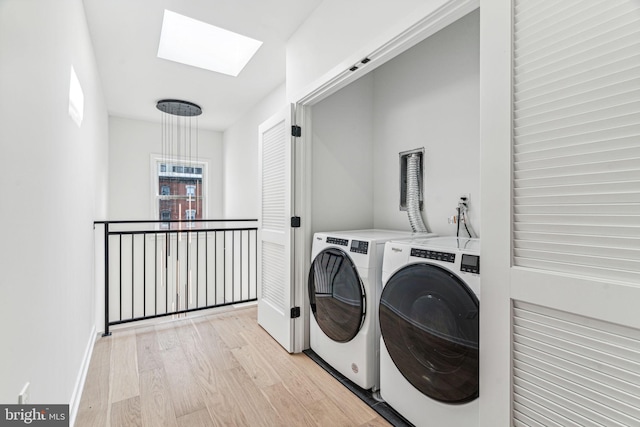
(429, 97)
(54, 185)
(340, 33)
(426, 97)
(342, 159)
(240, 154)
(131, 144)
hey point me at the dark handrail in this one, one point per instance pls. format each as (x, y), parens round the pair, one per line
(251, 257)
(162, 221)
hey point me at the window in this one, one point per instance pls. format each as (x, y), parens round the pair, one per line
(179, 190)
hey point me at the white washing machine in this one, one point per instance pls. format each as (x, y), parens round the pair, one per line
(344, 289)
(429, 321)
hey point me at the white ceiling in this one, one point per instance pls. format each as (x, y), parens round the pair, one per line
(125, 35)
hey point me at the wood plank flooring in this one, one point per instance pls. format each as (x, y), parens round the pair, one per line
(216, 370)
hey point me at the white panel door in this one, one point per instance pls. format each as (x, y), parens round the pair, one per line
(576, 157)
(275, 292)
(561, 213)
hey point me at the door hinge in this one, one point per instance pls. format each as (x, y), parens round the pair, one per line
(295, 222)
(296, 131)
(295, 312)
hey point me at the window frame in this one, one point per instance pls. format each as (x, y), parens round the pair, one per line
(154, 169)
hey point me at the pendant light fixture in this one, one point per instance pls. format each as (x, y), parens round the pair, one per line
(180, 172)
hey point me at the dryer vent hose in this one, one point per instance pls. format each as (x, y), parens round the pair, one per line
(413, 194)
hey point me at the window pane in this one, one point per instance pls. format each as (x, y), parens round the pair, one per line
(180, 192)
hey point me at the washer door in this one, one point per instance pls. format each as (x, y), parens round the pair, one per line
(430, 326)
(336, 295)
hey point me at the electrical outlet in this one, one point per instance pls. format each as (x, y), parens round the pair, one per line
(25, 395)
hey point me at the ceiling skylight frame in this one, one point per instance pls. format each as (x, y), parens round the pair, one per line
(198, 44)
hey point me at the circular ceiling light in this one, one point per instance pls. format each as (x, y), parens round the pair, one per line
(179, 108)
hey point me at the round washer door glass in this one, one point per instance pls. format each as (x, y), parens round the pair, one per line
(430, 327)
(336, 295)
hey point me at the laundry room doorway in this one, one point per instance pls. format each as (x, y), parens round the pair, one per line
(284, 252)
(339, 174)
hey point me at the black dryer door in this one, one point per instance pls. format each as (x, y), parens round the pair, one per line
(336, 295)
(430, 326)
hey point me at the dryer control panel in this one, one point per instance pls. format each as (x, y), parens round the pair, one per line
(428, 254)
(337, 241)
(359, 246)
(470, 263)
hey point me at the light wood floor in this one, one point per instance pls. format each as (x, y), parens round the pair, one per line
(214, 370)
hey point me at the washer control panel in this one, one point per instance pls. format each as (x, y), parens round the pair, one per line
(359, 246)
(337, 241)
(428, 254)
(470, 264)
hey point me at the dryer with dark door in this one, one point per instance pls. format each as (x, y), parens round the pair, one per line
(344, 290)
(336, 295)
(429, 321)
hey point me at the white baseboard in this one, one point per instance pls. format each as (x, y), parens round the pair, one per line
(74, 404)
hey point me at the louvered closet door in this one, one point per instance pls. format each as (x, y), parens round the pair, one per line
(275, 237)
(576, 212)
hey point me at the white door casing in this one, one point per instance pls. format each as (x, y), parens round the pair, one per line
(275, 236)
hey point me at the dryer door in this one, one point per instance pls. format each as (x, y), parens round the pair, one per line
(336, 295)
(430, 326)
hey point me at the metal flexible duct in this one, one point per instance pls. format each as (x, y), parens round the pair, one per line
(413, 195)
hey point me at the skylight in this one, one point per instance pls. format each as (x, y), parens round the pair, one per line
(201, 45)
